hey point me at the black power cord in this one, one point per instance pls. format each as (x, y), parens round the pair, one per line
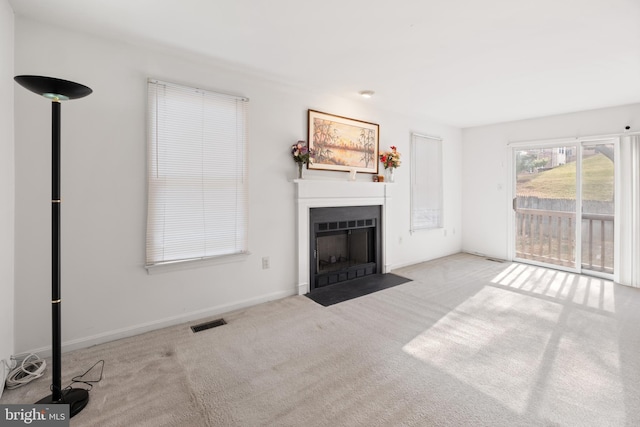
(33, 367)
(80, 379)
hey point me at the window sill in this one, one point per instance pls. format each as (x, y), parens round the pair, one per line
(189, 264)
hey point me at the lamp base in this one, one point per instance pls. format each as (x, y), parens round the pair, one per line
(76, 398)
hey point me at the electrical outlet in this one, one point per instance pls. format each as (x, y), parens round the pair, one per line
(265, 263)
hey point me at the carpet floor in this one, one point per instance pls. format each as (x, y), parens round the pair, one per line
(468, 342)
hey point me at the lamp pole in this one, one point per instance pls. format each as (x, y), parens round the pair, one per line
(57, 90)
(56, 202)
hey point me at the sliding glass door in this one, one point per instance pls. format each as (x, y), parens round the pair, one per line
(598, 210)
(564, 205)
(545, 205)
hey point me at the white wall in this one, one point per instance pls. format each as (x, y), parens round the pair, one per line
(486, 182)
(7, 186)
(106, 292)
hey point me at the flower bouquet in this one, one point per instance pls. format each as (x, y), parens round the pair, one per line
(390, 160)
(301, 155)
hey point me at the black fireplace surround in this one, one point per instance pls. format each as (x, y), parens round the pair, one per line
(345, 244)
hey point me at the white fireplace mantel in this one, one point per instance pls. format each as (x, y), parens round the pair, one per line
(323, 194)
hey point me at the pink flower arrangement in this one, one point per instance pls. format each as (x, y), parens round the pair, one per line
(301, 153)
(390, 159)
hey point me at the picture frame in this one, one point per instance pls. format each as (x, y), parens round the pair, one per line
(342, 144)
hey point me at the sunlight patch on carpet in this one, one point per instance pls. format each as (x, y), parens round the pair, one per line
(527, 352)
(466, 344)
(591, 292)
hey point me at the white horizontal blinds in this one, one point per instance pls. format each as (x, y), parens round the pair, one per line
(426, 182)
(197, 174)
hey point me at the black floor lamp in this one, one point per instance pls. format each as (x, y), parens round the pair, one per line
(57, 90)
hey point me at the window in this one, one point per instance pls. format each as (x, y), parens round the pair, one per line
(426, 182)
(197, 180)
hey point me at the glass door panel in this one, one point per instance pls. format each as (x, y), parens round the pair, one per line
(598, 210)
(545, 205)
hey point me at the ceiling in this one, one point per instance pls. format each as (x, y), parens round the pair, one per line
(461, 62)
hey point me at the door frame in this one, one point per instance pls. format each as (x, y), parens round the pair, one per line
(579, 143)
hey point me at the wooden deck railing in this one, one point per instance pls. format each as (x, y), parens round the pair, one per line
(546, 236)
(597, 242)
(549, 236)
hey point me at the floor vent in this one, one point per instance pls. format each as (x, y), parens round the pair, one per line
(496, 260)
(208, 325)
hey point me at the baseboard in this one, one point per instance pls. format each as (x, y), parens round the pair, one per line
(392, 267)
(158, 324)
(4, 373)
(303, 288)
(3, 376)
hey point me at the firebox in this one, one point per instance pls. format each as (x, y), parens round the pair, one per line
(344, 245)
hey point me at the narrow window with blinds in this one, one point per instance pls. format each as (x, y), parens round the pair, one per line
(426, 182)
(197, 175)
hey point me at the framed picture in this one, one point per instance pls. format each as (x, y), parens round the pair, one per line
(342, 144)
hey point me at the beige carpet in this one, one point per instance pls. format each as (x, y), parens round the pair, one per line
(468, 342)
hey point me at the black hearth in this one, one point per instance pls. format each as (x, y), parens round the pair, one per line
(345, 244)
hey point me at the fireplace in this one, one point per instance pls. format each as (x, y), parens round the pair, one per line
(345, 244)
(350, 196)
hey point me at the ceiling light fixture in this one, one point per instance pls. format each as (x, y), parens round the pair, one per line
(367, 93)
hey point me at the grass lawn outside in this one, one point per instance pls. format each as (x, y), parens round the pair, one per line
(560, 182)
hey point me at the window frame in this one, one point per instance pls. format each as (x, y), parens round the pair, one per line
(195, 168)
(428, 164)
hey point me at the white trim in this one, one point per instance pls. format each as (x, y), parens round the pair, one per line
(412, 226)
(422, 135)
(4, 373)
(635, 210)
(186, 195)
(578, 144)
(392, 267)
(545, 144)
(141, 328)
(511, 219)
(617, 209)
(598, 274)
(161, 82)
(551, 141)
(186, 264)
(546, 265)
(578, 212)
(317, 194)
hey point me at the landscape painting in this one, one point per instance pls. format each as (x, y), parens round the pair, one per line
(342, 144)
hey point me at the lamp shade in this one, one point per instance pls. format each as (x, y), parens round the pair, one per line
(53, 88)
